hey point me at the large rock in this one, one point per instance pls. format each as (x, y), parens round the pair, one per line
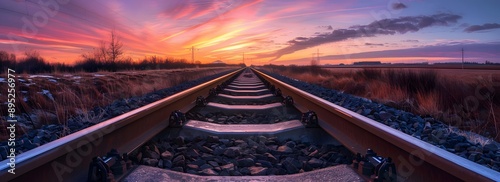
(257, 171)
(261, 139)
(218, 151)
(206, 166)
(167, 155)
(213, 163)
(179, 141)
(265, 163)
(192, 153)
(207, 157)
(208, 172)
(291, 144)
(245, 171)
(261, 149)
(199, 162)
(167, 164)
(150, 162)
(290, 168)
(490, 147)
(178, 169)
(252, 143)
(459, 147)
(206, 149)
(272, 171)
(271, 158)
(193, 166)
(232, 152)
(284, 149)
(294, 162)
(213, 139)
(315, 163)
(245, 162)
(179, 161)
(228, 167)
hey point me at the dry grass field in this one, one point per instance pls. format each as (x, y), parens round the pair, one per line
(468, 99)
(53, 98)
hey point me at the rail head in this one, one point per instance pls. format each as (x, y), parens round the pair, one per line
(53, 150)
(449, 162)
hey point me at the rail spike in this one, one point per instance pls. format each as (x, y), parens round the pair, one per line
(272, 88)
(278, 93)
(108, 167)
(310, 119)
(219, 88)
(177, 119)
(288, 101)
(201, 101)
(213, 92)
(376, 167)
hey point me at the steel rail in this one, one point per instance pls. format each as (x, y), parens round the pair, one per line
(415, 159)
(68, 158)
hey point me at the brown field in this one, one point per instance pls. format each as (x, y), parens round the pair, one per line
(53, 98)
(468, 99)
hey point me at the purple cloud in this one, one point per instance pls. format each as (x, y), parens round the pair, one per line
(398, 6)
(399, 25)
(372, 44)
(410, 40)
(486, 26)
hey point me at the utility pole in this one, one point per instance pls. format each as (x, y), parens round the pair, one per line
(243, 57)
(192, 53)
(462, 58)
(315, 62)
(318, 55)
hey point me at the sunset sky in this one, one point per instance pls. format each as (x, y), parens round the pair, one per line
(265, 31)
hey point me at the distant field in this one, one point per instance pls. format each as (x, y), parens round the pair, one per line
(422, 66)
(468, 98)
(466, 75)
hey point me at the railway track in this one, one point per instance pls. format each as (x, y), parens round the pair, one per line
(245, 105)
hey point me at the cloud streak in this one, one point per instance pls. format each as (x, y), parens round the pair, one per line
(400, 25)
(487, 26)
(372, 44)
(398, 6)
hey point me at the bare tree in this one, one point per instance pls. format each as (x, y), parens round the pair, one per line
(115, 49)
(107, 51)
(101, 54)
(12, 57)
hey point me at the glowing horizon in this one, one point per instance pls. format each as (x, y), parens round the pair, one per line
(264, 31)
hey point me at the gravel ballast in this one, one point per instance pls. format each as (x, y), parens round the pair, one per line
(253, 155)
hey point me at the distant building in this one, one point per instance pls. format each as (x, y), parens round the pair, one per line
(218, 62)
(367, 63)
